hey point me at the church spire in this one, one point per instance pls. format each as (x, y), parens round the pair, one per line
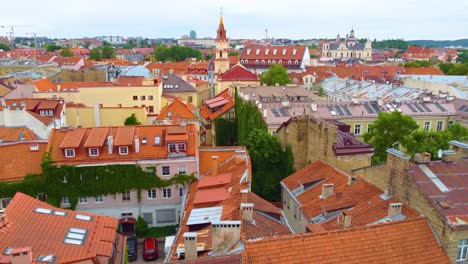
(221, 36)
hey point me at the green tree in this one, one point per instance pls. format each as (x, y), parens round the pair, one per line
(418, 63)
(87, 44)
(176, 53)
(209, 56)
(458, 132)
(95, 54)
(141, 227)
(226, 132)
(248, 118)
(390, 44)
(66, 52)
(387, 130)
(52, 47)
(4, 47)
(276, 74)
(462, 56)
(233, 53)
(321, 92)
(427, 141)
(108, 52)
(132, 120)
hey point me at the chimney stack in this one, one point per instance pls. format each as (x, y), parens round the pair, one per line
(225, 234)
(137, 145)
(423, 157)
(327, 190)
(190, 245)
(345, 219)
(247, 211)
(214, 165)
(394, 209)
(110, 144)
(244, 193)
(351, 179)
(21, 256)
(448, 155)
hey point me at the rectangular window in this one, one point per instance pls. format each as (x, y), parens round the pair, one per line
(148, 218)
(152, 194)
(450, 123)
(42, 197)
(190, 99)
(126, 196)
(150, 171)
(440, 125)
(123, 150)
(135, 98)
(151, 109)
(357, 129)
(427, 125)
(69, 153)
(93, 152)
(99, 199)
(181, 192)
(142, 97)
(65, 201)
(83, 200)
(166, 170)
(181, 147)
(462, 250)
(123, 215)
(369, 126)
(165, 216)
(150, 97)
(172, 147)
(167, 193)
(5, 202)
(157, 140)
(182, 169)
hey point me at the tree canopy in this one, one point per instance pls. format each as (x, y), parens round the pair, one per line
(390, 44)
(4, 47)
(176, 53)
(66, 52)
(454, 69)
(52, 47)
(276, 74)
(132, 120)
(387, 130)
(104, 52)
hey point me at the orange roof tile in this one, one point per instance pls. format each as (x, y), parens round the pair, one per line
(124, 136)
(45, 233)
(131, 80)
(12, 134)
(44, 85)
(208, 196)
(215, 110)
(177, 108)
(423, 71)
(96, 137)
(165, 68)
(73, 138)
(263, 226)
(21, 158)
(47, 105)
(407, 241)
(215, 180)
(67, 61)
(262, 205)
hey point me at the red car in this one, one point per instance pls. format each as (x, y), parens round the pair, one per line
(150, 248)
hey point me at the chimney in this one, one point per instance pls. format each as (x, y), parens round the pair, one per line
(224, 235)
(214, 165)
(110, 144)
(327, 190)
(190, 245)
(247, 211)
(423, 157)
(244, 193)
(137, 145)
(265, 113)
(351, 179)
(21, 256)
(394, 209)
(3, 102)
(448, 155)
(345, 219)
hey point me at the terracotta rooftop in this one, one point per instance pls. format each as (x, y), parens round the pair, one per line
(34, 107)
(423, 71)
(176, 108)
(217, 106)
(13, 134)
(44, 85)
(238, 73)
(20, 159)
(44, 228)
(407, 241)
(445, 185)
(168, 67)
(67, 61)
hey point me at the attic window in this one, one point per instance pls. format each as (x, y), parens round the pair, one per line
(157, 140)
(34, 147)
(289, 62)
(274, 51)
(257, 51)
(93, 152)
(123, 150)
(69, 153)
(294, 51)
(256, 61)
(75, 236)
(284, 52)
(144, 140)
(248, 51)
(267, 51)
(83, 217)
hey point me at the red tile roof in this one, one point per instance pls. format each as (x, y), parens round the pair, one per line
(131, 80)
(177, 108)
(238, 73)
(13, 134)
(73, 138)
(124, 136)
(46, 233)
(166, 68)
(423, 71)
(67, 61)
(407, 241)
(212, 108)
(96, 137)
(44, 85)
(21, 158)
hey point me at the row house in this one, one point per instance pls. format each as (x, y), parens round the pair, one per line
(259, 58)
(160, 150)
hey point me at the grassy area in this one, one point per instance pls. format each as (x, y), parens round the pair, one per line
(161, 231)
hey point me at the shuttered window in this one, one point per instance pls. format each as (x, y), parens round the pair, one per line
(165, 216)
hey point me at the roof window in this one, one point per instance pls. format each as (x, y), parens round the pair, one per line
(83, 217)
(75, 236)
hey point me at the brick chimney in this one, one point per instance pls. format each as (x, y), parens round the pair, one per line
(244, 193)
(345, 219)
(21, 256)
(247, 211)
(394, 209)
(190, 245)
(448, 155)
(423, 157)
(214, 165)
(327, 190)
(225, 234)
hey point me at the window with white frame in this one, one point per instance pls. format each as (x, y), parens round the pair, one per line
(166, 170)
(357, 129)
(123, 150)
(440, 125)
(46, 112)
(462, 250)
(427, 125)
(172, 147)
(93, 152)
(69, 153)
(181, 147)
(42, 197)
(182, 169)
(152, 194)
(126, 196)
(83, 200)
(99, 199)
(167, 193)
(65, 201)
(157, 140)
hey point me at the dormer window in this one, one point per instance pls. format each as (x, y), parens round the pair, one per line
(284, 52)
(248, 51)
(267, 51)
(294, 51)
(256, 61)
(169, 114)
(93, 152)
(69, 153)
(274, 51)
(289, 62)
(280, 62)
(296, 62)
(46, 112)
(257, 51)
(123, 150)
(172, 147)
(181, 147)
(263, 61)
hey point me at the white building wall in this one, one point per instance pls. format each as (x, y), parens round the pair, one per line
(17, 118)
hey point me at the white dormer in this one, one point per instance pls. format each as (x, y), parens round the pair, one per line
(294, 51)
(256, 61)
(257, 51)
(274, 51)
(263, 61)
(284, 52)
(248, 51)
(280, 62)
(267, 51)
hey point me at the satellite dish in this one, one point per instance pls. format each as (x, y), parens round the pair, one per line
(439, 153)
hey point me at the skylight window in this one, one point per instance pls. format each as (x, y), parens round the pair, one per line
(59, 213)
(83, 217)
(42, 210)
(77, 230)
(75, 236)
(47, 258)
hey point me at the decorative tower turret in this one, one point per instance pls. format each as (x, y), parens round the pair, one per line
(221, 61)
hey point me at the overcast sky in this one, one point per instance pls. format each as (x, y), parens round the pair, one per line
(381, 19)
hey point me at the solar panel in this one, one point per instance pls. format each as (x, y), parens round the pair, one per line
(346, 109)
(462, 108)
(418, 107)
(275, 112)
(411, 108)
(426, 108)
(369, 109)
(338, 110)
(283, 112)
(376, 108)
(440, 107)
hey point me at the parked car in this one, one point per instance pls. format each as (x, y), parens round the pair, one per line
(150, 248)
(132, 248)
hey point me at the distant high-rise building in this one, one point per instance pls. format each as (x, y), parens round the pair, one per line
(193, 34)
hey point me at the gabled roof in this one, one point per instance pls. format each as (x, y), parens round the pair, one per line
(19, 159)
(347, 144)
(167, 67)
(177, 108)
(253, 53)
(407, 241)
(13, 134)
(423, 71)
(175, 84)
(44, 85)
(217, 106)
(45, 232)
(68, 61)
(238, 73)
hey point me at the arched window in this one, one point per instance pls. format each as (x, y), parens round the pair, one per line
(280, 62)
(296, 62)
(221, 54)
(246, 61)
(269, 61)
(256, 61)
(289, 62)
(263, 61)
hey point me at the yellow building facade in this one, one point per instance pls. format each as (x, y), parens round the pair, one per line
(81, 116)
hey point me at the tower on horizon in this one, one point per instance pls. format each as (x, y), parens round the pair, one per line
(221, 61)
